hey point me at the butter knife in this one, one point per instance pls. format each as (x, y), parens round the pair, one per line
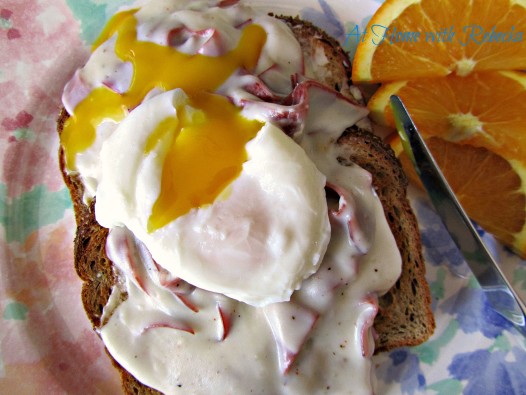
(499, 293)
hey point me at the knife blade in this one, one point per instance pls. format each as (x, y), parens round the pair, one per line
(499, 293)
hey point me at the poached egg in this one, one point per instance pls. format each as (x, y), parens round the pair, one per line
(224, 200)
(170, 176)
(181, 126)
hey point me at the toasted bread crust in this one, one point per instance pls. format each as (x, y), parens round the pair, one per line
(92, 264)
(404, 318)
(318, 46)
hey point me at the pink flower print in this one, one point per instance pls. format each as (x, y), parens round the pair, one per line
(22, 167)
(20, 122)
(5, 14)
(6, 23)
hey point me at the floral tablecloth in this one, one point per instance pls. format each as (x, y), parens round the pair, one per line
(47, 344)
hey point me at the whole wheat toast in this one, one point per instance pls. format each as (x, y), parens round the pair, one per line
(404, 317)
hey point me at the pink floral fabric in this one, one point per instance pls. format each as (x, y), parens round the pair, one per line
(47, 343)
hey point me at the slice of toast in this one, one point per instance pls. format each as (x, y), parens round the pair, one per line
(404, 318)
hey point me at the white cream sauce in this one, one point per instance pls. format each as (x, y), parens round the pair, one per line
(178, 338)
(319, 342)
(175, 343)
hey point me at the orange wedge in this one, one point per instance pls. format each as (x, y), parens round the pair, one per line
(490, 188)
(457, 67)
(408, 39)
(483, 109)
(479, 128)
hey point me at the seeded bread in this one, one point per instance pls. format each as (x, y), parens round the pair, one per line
(404, 317)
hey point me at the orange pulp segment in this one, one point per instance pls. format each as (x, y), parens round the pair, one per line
(483, 109)
(490, 188)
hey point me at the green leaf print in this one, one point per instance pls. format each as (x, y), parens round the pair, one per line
(31, 210)
(93, 14)
(446, 387)
(15, 311)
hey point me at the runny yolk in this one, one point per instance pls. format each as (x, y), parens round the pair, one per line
(206, 151)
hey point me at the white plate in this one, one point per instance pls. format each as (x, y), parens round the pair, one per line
(47, 345)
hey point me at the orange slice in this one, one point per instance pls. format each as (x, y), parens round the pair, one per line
(456, 66)
(408, 39)
(479, 128)
(483, 109)
(490, 188)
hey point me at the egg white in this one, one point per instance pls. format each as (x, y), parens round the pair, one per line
(259, 239)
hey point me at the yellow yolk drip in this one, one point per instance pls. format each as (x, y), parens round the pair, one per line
(154, 66)
(206, 153)
(207, 149)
